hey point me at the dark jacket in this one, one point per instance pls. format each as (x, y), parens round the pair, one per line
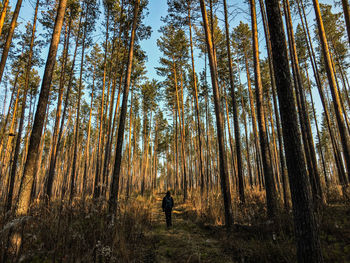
(165, 199)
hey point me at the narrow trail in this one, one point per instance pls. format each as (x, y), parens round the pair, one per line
(185, 241)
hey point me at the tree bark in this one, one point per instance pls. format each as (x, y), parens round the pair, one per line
(271, 195)
(333, 87)
(29, 168)
(306, 230)
(235, 113)
(3, 14)
(8, 42)
(120, 137)
(21, 122)
(225, 187)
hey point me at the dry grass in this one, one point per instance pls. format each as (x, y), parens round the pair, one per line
(87, 233)
(80, 233)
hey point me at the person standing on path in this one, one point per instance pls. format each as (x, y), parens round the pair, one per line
(167, 205)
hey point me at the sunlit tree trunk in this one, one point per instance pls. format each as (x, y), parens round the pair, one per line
(120, 137)
(235, 113)
(301, 11)
(29, 168)
(98, 181)
(201, 165)
(77, 123)
(9, 36)
(3, 14)
(271, 195)
(53, 152)
(225, 188)
(21, 122)
(87, 149)
(303, 113)
(345, 141)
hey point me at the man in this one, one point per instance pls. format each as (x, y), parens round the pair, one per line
(167, 205)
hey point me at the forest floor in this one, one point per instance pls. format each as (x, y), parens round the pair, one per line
(191, 241)
(139, 233)
(185, 241)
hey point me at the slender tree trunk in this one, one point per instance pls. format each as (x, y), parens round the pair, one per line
(201, 166)
(231, 144)
(53, 153)
(345, 141)
(252, 109)
(87, 149)
(21, 122)
(317, 129)
(77, 123)
(8, 42)
(271, 195)
(97, 189)
(129, 150)
(3, 14)
(225, 187)
(250, 175)
(303, 114)
(120, 137)
(235, 113)
(336, 152)
(60, 133)
(182, 135)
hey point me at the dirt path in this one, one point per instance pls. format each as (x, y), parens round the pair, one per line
(185, 241)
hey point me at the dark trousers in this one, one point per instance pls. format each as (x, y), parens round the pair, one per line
(168, 218)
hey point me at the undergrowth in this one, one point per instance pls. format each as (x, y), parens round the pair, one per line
(79, 233)
(85, 232)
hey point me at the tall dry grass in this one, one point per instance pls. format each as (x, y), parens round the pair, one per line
(82, 232)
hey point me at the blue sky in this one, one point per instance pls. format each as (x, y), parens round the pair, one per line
(157, 9)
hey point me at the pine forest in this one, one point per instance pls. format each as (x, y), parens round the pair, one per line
(187, 131)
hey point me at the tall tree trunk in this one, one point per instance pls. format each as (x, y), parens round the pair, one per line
(54, 145)
(303, 113)
(225, 187)
(182, 130)
(97, 188)
(113, 198)
(301, 10)
(129, 150)
(60, 133)
(21, 122)
(77, 123)
(29, 168)
(307, 238)
(250, 175)
(345, 141)
(235, 112)
(201, 166)
(285, 184)
(8, 42)
(252, 111)
(87, 149)
(110, 128)
(3, 14)
(271, 195)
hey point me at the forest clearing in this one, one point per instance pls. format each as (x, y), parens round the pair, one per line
(174, 131)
